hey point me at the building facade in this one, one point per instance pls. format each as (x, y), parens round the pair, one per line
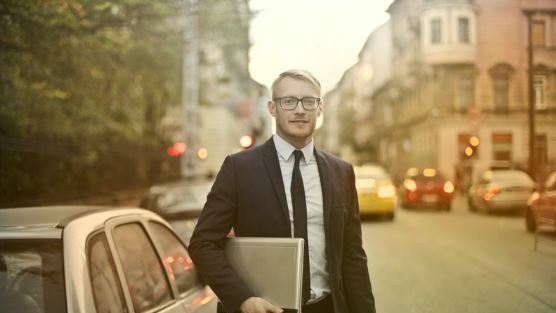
(460, 73)
(231, 104)
(347, 129)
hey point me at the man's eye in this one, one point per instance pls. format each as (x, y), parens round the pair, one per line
(288, 101)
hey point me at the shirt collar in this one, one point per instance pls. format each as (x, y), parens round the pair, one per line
(285, 149)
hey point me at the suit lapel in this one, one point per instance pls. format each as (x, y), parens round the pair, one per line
(272, 165)
(324, 175)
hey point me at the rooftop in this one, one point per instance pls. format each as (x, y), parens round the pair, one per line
(46, 216)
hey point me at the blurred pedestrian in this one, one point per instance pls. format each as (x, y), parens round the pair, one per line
(288, 188)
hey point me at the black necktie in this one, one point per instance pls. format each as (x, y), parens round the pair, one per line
(300, 221)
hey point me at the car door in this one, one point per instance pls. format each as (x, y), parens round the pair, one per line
(479, 190)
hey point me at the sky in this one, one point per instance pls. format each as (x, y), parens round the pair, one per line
(322, 36)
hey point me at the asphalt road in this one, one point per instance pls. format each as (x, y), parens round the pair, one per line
(459, 262)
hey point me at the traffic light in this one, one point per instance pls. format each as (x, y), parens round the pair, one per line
(177, 149)
(472, 147)
(469, 152)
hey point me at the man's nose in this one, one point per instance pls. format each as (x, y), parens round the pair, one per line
(299, 108)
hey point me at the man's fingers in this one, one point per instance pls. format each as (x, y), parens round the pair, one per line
(272, 309)
(259, 305)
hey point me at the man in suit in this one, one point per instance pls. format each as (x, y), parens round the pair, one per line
(287, 188)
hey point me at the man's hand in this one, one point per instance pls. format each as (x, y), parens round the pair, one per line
(259, 305)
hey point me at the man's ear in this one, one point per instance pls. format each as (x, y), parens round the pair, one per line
(271, 105)
(320, 109)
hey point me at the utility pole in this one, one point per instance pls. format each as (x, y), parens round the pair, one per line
(190, 88)
(532, 135)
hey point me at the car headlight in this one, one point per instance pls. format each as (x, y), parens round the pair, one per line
(448, 187)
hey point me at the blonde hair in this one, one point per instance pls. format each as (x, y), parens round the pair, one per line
(297, 74)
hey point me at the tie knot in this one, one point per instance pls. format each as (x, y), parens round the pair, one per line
(297, 154)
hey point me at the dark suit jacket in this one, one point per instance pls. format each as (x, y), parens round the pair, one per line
(248, 195)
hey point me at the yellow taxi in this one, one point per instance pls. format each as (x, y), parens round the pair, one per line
(375, 190)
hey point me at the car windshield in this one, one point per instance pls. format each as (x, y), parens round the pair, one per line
(436, 177)
(31, 276)
(369, 178)
(515, 176)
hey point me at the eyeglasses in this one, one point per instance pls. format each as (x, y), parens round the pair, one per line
(290, 103)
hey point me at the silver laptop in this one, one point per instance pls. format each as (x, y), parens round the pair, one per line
(271, 267)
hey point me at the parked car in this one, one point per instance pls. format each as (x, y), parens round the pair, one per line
(426, 187)
(541, 206)
(375, 190)
(500, 190)
(95, 259)
(177, 200)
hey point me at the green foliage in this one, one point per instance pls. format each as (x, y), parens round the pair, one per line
(84, 85)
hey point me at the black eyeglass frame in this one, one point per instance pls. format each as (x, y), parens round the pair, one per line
(279, 100)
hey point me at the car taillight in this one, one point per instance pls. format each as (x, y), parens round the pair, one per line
(387, 191)
(491, 193)
(410, 184)
(448, 187)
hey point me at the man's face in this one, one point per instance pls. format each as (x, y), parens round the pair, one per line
(295, 126)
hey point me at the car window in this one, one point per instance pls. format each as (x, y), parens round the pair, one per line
(31, 276)
(107, 291)
(513, 176)
(176, 259)
(147, 282)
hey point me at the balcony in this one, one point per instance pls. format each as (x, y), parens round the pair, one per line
(448, 32)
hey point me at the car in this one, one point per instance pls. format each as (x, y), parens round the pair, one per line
(95, 259)
(426, 187)
(375, 191)
(500, 190)
(177, 200)
(541, 205)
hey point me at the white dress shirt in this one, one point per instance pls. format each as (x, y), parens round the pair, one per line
(315, 216)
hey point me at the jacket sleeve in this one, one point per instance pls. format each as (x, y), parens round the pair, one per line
(355, 273)
(207, 241)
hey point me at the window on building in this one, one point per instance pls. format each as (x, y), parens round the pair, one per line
(436, 30)
(388, 116)
(538, 32)
(501, 94)
(539, 84)
(502, 146)
(465, 93)
(463, 29)
(541, 150)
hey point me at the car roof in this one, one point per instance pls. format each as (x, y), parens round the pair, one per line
(368, 169)
(418, 173)
(505, 172)
(47, 216)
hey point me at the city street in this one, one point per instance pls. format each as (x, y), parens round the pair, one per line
(427, 261)
(459, 262)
